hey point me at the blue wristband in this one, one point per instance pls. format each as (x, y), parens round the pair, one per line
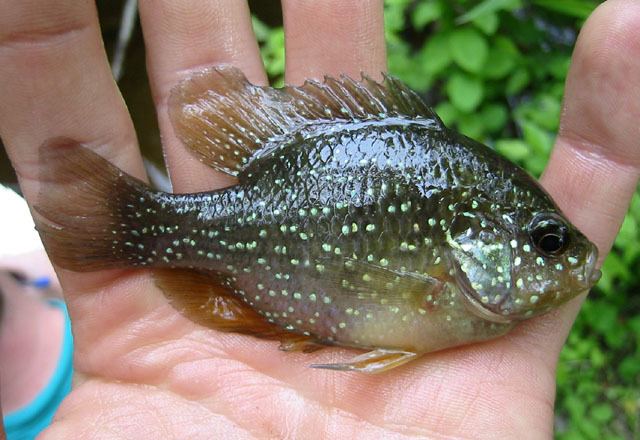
(27, 422)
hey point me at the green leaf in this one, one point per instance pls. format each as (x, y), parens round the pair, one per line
(597, 358)
(487, 7)
(465, 92)
(590, 429)
(572, 433)
(487, 23)
(447, 112)
(631, 404)
(574, 8)
(628, 233)
(435, 56)
(471, 125)
(518, 81)
(278, 82)
(634, 325)
(469, 49)
(260, 29)
(629, 368)
(631, 252)
(535, 164)
(558, 66)
(614, 267)
(602, 412)
(394, 18)
(575, 406)
(540, 140)
(513, 149)
(543, 110)
(425, 13)
(408, 69)
(494, 117)
(273, 52)
(502, 59)
(547, 112)
(635, 205)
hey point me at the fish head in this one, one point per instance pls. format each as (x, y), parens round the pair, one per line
(514, 266)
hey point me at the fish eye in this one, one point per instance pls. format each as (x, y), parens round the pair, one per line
(549, 234)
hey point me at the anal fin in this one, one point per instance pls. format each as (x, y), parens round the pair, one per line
(204, 298)
(373, 362)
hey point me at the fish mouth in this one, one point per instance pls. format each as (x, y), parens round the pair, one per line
(592, 274)
(589, 275)
(595, 277)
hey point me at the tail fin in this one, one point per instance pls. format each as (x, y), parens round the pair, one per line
(89, 213)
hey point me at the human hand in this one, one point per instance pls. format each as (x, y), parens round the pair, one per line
(145, 371)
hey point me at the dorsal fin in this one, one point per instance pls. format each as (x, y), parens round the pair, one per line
(224, 119)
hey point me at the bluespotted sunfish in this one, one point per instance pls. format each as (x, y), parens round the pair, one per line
(357, 219)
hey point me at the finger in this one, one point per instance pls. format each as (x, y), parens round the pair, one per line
(55, 81)
(598, 140)
(333, 37)
(184, 35)
(594, 168)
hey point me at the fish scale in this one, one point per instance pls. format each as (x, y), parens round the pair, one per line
(357, 219)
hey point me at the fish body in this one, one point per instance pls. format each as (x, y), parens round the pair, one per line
(358, 219)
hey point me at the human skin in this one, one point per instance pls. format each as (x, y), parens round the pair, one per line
(31, 333)
(145, 371)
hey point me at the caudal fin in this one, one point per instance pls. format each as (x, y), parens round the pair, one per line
(89, 213)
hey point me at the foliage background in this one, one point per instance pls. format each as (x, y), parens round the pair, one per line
(495, 70)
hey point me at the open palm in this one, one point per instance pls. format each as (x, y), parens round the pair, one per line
(145, 371)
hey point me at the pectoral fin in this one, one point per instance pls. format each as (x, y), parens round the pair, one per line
(369, 283)
(373, 362)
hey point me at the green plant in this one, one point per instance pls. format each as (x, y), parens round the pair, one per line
(495, 70)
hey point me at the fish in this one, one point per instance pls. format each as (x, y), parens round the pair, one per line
(356, 219)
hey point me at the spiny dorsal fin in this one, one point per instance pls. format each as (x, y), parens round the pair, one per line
(224, 119)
